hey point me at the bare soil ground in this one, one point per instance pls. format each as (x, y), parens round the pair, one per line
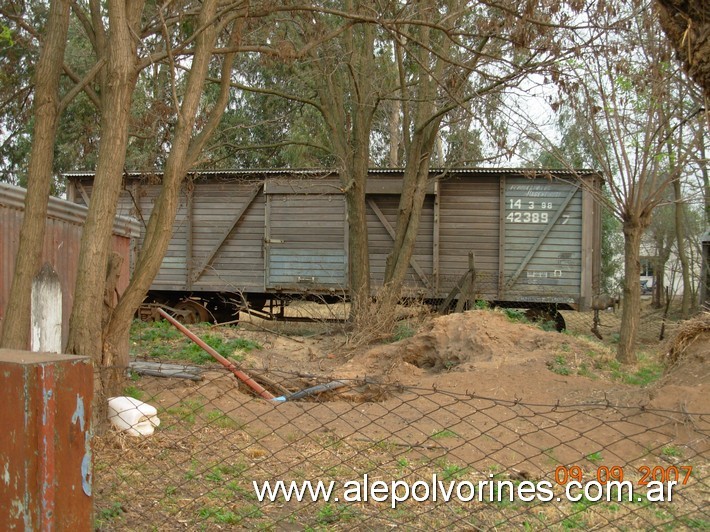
(468, 396)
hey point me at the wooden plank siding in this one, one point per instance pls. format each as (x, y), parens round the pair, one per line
(238, 264)
(381, 241)
(268, 231)
(469, 222)
(305, 241)
(543, 246)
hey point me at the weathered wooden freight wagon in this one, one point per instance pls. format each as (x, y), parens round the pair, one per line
(62, 238)
(267, 235)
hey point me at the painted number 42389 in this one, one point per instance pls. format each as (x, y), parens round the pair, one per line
(519, 214)
(527, 217)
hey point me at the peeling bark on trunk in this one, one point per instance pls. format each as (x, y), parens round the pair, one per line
(16, 325)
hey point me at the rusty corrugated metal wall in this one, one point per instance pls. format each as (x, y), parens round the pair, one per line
(61, 244)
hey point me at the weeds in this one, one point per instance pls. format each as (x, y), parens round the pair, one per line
(444, 433)
(559, 365)
(515, 315)
(595, 457)
(132, 391)
(403, 330)
(648, 371)
(221, 420)
(672, 451)
(109, 514)
(187, 410)
(161, 340)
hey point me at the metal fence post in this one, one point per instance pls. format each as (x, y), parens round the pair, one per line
(45, 450)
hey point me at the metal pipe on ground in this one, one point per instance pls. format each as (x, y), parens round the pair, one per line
(318, 388)
(246, 379)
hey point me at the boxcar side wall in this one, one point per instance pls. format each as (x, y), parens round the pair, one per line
(535, 240)
(305, 238)
(542, 251)
(469, 221)
(382, 210)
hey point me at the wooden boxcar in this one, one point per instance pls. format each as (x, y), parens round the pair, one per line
(270, 234)
(62, 239)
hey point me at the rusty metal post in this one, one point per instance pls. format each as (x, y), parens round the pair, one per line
(45, 449)
(246, 379)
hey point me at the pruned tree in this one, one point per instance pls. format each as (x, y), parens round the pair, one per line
(620, 93)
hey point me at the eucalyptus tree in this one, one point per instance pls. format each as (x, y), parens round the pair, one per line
(331, 58)
(187, 140)
(189, 44)
(460, 57)
(46, 107)
(384, 77)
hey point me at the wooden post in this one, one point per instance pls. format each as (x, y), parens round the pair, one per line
(45, 450)
(468, 287)
(46, 311)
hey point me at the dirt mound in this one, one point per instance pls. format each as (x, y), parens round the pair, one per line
(686, 379)
(691, 366)
(486, 353)
(458, 343)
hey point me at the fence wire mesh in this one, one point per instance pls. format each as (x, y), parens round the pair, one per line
(216, 443)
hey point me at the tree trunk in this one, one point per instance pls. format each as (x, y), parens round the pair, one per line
(414, 185)
(663, 254)
(395, 134)
(682, 253)
(705, 175)
(358, 249)
(182, 156)
(16, 325)
(630, 315)
(85, 325)
(687, 25)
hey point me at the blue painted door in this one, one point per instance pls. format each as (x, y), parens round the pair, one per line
(305, 243)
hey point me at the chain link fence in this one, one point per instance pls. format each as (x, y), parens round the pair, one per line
(392, 454)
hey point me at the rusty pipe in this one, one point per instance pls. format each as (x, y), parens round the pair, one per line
(246, 379)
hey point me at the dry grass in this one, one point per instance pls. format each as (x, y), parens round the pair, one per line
(196, 472)
(687, 333)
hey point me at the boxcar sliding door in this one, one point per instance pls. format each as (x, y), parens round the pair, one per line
(305, 239)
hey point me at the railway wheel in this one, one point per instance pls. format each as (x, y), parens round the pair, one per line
(191, 312)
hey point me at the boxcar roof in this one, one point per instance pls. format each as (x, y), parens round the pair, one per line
(330, 172)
